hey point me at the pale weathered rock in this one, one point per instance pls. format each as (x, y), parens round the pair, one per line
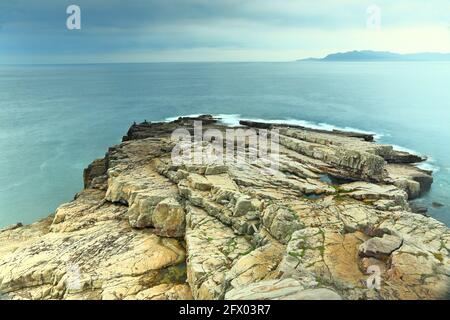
(92, 253)
(216, 169)
(352, 162)
(371, 192)
(413, 180)
(258, 265)
(287, 289)
(169, 218)
(316, 294)
(380, 247)
(250, 231)
(281, 222)
(166, 292)
(243, 205)
(199, 182)
(212, 250)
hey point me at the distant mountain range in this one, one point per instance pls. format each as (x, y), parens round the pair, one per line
(368, 55)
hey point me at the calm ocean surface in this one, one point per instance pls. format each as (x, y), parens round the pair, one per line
(54, 120)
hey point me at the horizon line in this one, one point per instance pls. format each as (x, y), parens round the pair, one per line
(306, 59)
(313, 60)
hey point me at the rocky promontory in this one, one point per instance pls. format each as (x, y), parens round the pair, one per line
(334, 215)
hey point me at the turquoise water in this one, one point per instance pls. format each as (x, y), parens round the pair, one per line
(54, 120)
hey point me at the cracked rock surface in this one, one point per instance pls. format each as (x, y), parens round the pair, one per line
(145, 228)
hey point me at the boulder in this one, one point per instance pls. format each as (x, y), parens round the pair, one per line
(169, 218)
(199, 182)
(437, 205)
(380, 248)
(216, 169)
(243, 206)
(281, 222)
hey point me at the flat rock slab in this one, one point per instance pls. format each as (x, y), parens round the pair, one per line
(380, 247)
(286, 289)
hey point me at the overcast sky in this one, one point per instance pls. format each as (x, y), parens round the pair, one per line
(33, 31)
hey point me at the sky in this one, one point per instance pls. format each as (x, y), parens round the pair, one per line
(34, 31)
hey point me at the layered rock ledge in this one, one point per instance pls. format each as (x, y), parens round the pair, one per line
(335, 212)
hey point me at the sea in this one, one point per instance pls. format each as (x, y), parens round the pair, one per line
(56, 119)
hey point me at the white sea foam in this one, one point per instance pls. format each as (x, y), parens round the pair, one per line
(429, 165)
(318, 126)
(227, 119)
(233, 120)
(403, 149)
(312, 125)
(169, 119)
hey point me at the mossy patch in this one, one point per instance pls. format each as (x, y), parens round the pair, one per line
(439, 257)
(297, 255)
(173, 274)
(250, 250)
(339, 198)
(229, 247)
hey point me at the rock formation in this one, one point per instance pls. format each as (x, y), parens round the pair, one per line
(144, 228)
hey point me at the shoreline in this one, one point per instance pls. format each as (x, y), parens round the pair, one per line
(232, 120)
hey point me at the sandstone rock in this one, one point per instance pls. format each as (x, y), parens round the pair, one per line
(243, 205)
(199, 182)
(166, 292)
(169, 218)
(94, 170)
(372, 192)
(281, 222)
(216, 169)
(404, 157)
(380, 247)
(249, 232)
(91, 253)
(413, 180)
(258, 265)
(12, 227)
(287, 289)
(354, 163)
(212, 250)
(316, 294)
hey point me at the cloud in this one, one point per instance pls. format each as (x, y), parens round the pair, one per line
(150, 30)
